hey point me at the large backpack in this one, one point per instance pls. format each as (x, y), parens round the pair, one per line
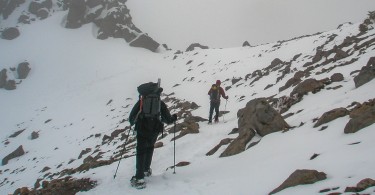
(149, 100)
(215, 93)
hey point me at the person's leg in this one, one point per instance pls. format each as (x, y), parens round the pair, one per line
(217, 105)
(140, 157)
(150, 152)
(211, 111)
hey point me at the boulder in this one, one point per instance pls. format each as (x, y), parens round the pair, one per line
(301, 177)
(222, 143)
(10, 33)
(361, 117)
(337, 77)
(10, 85)
(23, 70)
(16, 153)
(331, 115)
(366, 74)
(308, 85)
(144, 41)
(40, 8)
(258, 115)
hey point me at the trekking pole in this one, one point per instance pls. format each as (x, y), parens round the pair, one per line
(123, 151)
(174, 149)
(225, 109)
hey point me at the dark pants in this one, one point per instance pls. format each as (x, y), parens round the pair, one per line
(145, 150)
(214, 106)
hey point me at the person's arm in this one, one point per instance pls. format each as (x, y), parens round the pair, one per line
(223, 93)
(166, 116)
(134, 113)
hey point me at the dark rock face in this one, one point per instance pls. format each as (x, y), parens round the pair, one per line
(18, 152)
(7, 7)
(366, 74)
(76, 14)
(301, 177)
(10, 33)
(238, 145)
(144, 41)
(331, 115)
(23, 70)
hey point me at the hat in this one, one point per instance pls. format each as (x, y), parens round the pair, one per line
(218, 82)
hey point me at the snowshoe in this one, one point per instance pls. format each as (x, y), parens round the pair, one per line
(137, 183)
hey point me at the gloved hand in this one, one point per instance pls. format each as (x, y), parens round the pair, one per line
(174, 117)
(131, 123)
(226, 97)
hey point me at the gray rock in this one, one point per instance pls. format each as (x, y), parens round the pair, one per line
(366, 74)
(10, 33)
(301, 177)
(308, 85)
(10, 85)
(23, 70)
(194, 45)
(18, 152)
(257, 117)
(337, 77)
(361, 117)
(331, 115)
(3, 78)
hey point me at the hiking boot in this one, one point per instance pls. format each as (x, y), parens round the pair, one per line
(209, 122)
(137, 183)
(148, 173)
(216, 118)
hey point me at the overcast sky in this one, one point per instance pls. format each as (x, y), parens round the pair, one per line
(222, 23)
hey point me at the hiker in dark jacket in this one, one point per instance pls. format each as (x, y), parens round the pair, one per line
(215, 93)
(147, 130)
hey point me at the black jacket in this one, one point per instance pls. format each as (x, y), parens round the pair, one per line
(150, 125)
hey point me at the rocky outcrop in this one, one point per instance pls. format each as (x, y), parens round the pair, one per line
(188, 126)
(41, 9)
(144, 41)
(7, 7)
(67, 185)
(10, 33)
(23, 70)
(366, 74)
(16, 153)
(331, 115)
(301, 177)
(362, 116)
(223, 142)
(196, 45)
(257, 117)
(361, 186)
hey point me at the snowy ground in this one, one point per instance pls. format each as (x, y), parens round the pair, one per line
(74, 76)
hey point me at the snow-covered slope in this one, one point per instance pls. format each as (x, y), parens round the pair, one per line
(80, 90)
